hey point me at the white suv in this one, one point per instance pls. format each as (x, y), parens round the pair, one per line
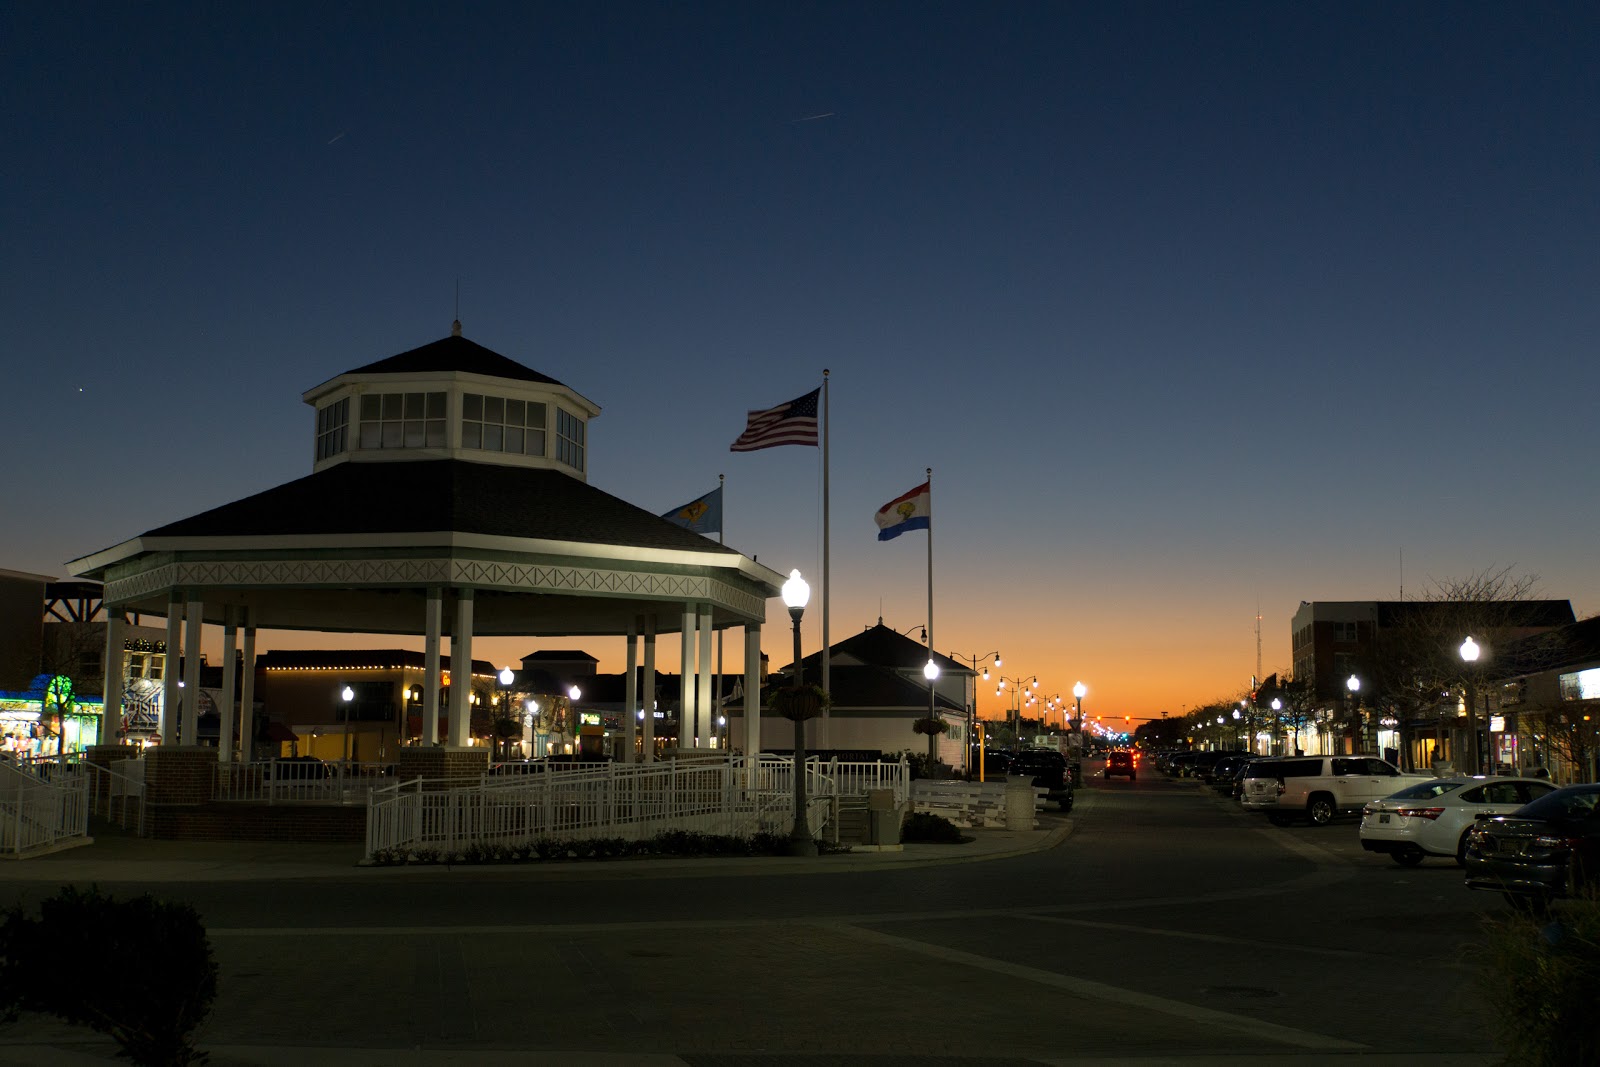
(1319, 787)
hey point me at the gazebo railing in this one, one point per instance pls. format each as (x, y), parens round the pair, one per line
(290, 780)
(630, 801)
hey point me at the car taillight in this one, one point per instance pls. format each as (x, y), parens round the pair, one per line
(1419, 813)
(1556, 841)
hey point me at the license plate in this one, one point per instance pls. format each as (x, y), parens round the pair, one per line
(1383, 818)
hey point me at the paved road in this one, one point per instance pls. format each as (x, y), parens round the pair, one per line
(1156, 924)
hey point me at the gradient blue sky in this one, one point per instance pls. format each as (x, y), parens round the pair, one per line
(1193, 309)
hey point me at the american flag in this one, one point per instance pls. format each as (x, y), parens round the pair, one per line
(794, 423)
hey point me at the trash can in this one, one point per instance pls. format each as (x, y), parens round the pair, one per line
(1019, 803)
(883, 818)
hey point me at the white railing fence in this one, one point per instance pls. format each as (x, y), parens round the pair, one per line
(630, 801)
(114, 793)
(36, 813)
(278, 781)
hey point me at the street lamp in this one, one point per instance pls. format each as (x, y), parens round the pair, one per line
(972, 708)
(529, 723)
(1469, 656)
(507, 676)
(346, 695)
(1020, 682)
(1353, 684)
(1277, 720)
(795, 594)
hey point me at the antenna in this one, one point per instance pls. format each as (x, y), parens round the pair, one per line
(455, 327)
(1258, 637)
(1402, 573)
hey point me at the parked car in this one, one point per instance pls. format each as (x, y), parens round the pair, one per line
(1318, 788)
(1223, 775)
(1546, 850)
(1048, 769)
(298, 769)
(1178, 764)
(1434, 818)
(1122, 764)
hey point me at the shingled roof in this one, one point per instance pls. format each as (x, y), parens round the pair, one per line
(426, 496)
(454, 354)
(885, 647)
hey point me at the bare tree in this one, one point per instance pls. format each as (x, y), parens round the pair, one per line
(1418, 668)
(1574, 736)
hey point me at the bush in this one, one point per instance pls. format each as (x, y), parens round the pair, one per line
(1539, 975)
(921, 827)
(72, 962)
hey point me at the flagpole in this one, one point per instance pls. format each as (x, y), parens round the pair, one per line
(822, 740)
(931, 714)
(722, 539)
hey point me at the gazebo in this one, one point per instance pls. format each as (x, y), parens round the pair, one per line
(448, 498)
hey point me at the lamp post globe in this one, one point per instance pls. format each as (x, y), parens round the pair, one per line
(796, 592)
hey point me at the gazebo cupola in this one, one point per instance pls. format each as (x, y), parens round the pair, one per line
(452, 399)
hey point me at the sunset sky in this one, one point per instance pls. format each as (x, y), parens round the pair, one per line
(1196, 311)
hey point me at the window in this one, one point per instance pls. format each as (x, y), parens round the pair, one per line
(1344, 631)
(333, 422)
(496, 424)
(569, 439)
(402, 420)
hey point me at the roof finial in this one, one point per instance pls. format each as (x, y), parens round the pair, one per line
(455, 327)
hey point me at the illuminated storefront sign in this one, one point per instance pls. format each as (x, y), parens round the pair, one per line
(1581, 685)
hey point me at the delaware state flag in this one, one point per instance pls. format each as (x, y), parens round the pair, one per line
(702, 515)
(910, 511)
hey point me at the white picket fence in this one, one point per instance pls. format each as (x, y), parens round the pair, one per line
(730, 796)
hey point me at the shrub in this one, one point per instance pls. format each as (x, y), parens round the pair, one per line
(921, 827)
(1539, 975)
(48, 965)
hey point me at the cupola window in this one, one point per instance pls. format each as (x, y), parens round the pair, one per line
(402, 420)
(569, 439)
(333, 425)
(498, 424)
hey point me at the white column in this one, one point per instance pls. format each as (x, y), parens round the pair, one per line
(648, 742)
(434, 681)
(752, 701)
(708, 707)
(170, 693)
(111, 714)
(630, 691)
(194, 621)
(230, 678)
(688, 720)
(461, 671)
(247, 689)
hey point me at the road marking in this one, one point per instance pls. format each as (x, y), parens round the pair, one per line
(1215, 939)
(1101, 991)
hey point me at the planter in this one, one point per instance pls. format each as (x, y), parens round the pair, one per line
(801, 704)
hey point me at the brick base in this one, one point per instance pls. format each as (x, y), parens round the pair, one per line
(434, 764)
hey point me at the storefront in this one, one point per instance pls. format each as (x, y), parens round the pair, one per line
(46, 718)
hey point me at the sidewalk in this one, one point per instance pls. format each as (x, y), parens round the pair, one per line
(131, 859)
